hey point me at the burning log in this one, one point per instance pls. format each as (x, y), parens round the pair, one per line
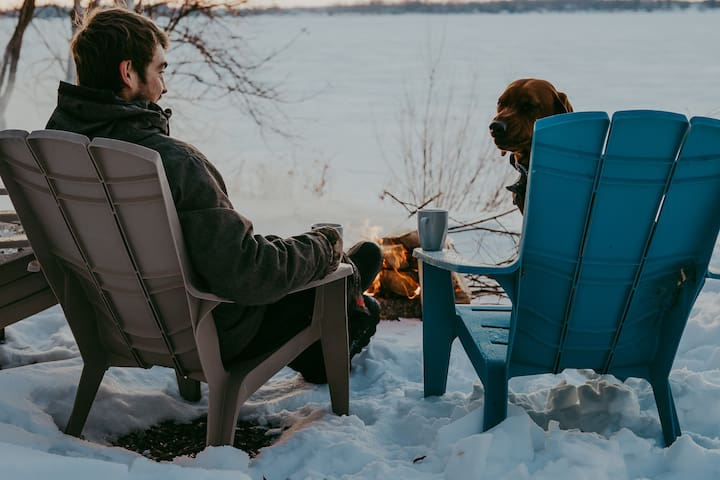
(397, 285)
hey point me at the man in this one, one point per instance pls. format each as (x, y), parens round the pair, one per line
(120, 60)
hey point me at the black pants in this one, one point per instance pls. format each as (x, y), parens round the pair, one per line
(287, 317)
(283, 320)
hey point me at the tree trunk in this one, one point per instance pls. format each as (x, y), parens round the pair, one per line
(11, 57)
(75, 16)
(129, 4)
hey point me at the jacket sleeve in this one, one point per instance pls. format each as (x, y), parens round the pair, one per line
(229, 258)
(249, 269)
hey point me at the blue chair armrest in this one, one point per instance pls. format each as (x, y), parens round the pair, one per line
(712, 274)
(453, 261)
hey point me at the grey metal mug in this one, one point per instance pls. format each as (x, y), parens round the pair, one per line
(432, 228)
(336, 226)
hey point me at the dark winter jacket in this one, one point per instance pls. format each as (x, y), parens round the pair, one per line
(234, 263)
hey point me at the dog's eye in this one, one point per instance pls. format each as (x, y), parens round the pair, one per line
(529, 106)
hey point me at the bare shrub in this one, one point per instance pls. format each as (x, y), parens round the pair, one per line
(447, 160)
(209, 59)
(445, 152)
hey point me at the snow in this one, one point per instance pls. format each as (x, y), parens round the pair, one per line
(591, 426)
(568, 426)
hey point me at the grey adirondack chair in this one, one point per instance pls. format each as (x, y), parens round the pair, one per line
(619, 228)
(101, 220)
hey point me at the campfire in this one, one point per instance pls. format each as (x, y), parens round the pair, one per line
(397, 286)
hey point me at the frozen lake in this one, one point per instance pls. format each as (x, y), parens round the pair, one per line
(346, 76)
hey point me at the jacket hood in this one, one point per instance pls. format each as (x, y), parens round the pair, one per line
(100, 113)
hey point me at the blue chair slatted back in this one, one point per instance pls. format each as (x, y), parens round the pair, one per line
(621, 217)
(678, 256)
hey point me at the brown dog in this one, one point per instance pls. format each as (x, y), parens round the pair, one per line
(523, 102)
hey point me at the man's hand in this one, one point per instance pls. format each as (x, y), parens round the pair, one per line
(333, 236)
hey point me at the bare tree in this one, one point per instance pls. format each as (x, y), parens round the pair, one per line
(446, 159)
(11, 57)
(209, 58)
(75, 14)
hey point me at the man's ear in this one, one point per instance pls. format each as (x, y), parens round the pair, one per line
(126, 72)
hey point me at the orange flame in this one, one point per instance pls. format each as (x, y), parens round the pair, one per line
(374, 287)
(395, 275)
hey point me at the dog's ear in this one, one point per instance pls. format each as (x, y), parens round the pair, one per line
(562, 104)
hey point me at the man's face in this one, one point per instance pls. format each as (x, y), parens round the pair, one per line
(154, 85)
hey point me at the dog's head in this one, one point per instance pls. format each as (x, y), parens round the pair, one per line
(523, 102)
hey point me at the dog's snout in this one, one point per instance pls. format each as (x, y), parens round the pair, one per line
(497, 127)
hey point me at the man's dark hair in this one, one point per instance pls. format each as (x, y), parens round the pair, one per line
(108, 37)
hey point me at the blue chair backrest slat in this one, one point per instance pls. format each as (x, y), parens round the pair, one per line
(566, 158)
(680, 252)
(637, 166)
(688, 223)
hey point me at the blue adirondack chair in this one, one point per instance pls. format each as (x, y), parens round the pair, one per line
(620, 224)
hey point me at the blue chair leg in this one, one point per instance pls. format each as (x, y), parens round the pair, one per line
(438, 307)
(666, 410)
(496, 394)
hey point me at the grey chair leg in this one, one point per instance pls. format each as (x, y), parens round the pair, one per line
(90, 380)
(334, 339)
(189, 388)
(222, 413)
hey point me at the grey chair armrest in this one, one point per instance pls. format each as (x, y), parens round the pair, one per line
(343, 270)
(200, 295)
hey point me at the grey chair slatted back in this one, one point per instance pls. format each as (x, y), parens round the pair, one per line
(101, 220)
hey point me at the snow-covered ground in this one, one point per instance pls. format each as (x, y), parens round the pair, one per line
(353, 72)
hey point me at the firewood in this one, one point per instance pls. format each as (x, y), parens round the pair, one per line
(395, 257)
(397, 286)
(409, 240)
(404, 284)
